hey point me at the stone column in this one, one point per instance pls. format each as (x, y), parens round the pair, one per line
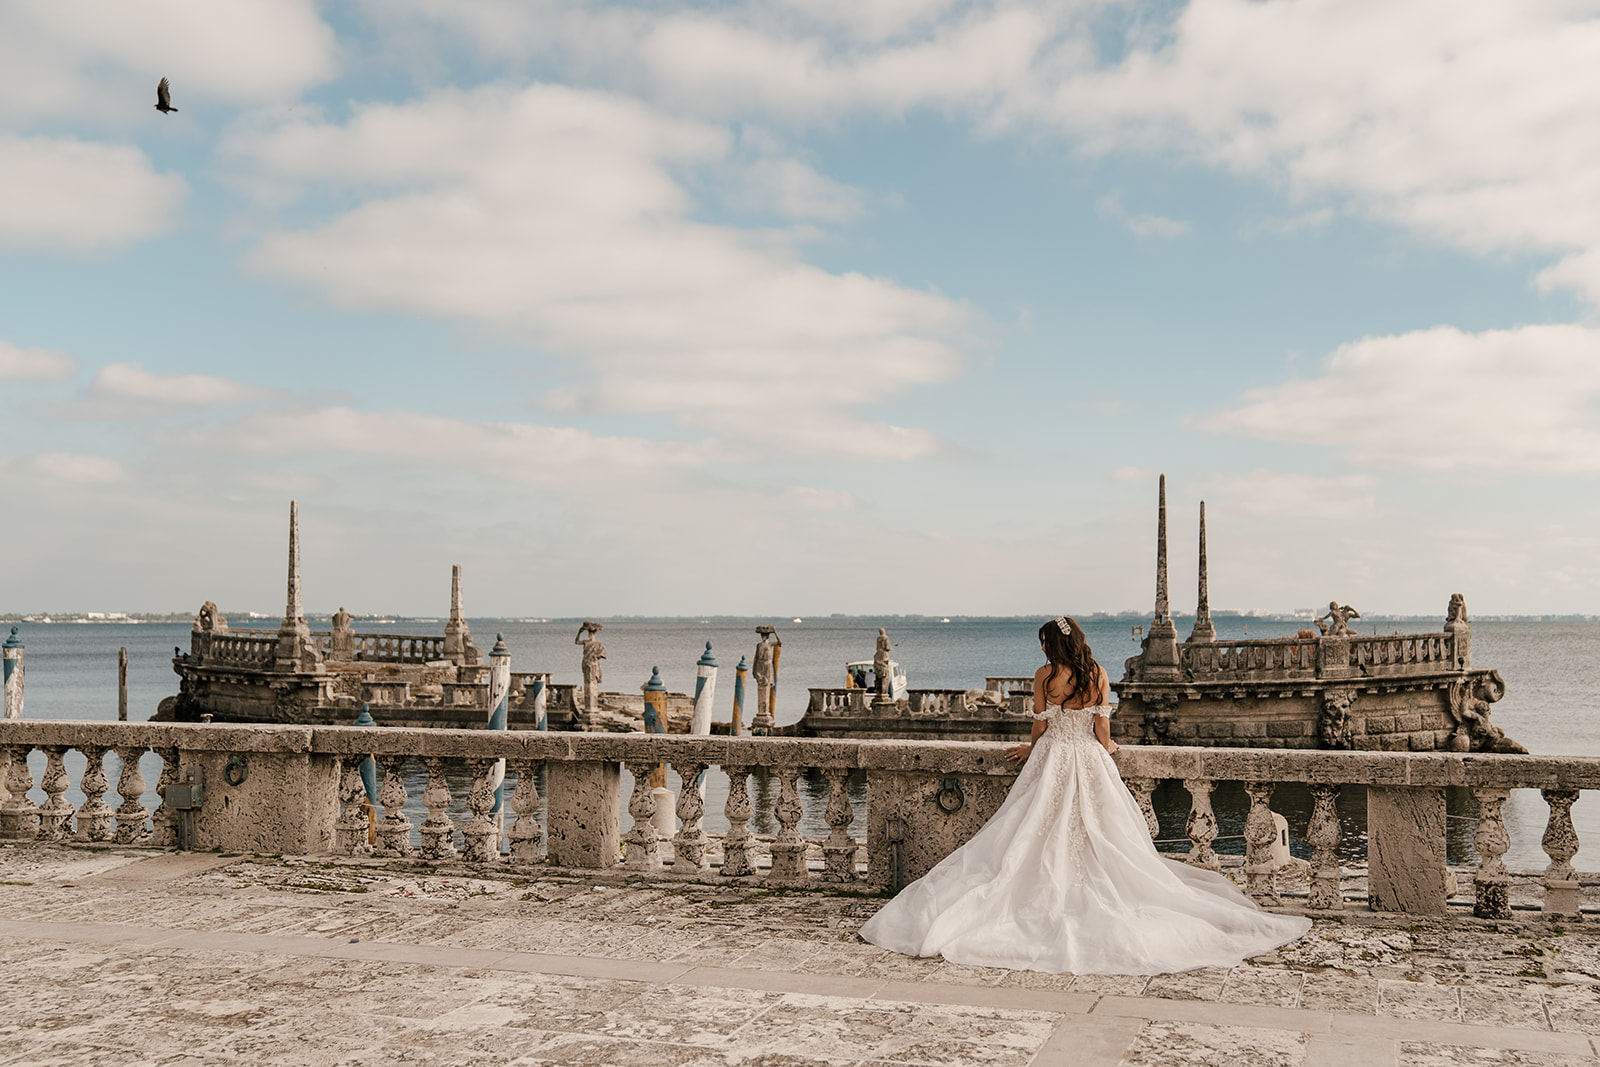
(13, 649)
(458, 647)
(527, 836)
(1323, 835)
(788, 850)
(1260, 832)
(737, 846)
(480, 838)
(1141, 788)
(581, 802)
(438, 833)
(1201, 826)
(1560, 844)
(643, 848)
(1491, 884)
(19, 816)
(56, 814)
(839, 853)
(131, 816)
(95, 817)
(689, 845)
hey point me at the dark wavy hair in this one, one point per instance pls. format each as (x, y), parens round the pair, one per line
(1070, 651)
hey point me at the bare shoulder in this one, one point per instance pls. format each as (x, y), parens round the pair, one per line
(1042, 673)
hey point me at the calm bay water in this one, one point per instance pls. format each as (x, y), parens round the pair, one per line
(1552, 672)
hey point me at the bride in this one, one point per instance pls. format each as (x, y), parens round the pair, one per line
(1064, 878)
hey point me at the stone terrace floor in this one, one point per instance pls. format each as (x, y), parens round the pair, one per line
(123, 956)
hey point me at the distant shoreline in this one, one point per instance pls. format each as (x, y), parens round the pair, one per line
(263, 621)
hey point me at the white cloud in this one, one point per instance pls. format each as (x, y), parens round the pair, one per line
(102, 58)
(540, 455)
(1290, 496)
(130, 381)
(1442, 399)
(34, 364)
(794, 190)
(73, 467)
(62, 193)
(555, 215)
(1110, 207)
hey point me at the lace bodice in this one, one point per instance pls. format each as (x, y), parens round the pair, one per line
(1074, 723)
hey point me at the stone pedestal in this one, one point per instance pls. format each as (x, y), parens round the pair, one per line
(1406, 850)
(585, 823)
(1561, 898)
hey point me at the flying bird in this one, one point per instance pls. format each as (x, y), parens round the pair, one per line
(164, 97)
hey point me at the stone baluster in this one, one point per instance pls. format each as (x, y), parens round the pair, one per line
(1201, 825)
(839, 851)
(736, 847)
(641, 841)
(788, 850)
(164, 821)
(1260, 831)
(481, 836)
(1560, 844)
(438, 833)
(350, 832)
(19, 816)
(1322, 834)
(56, 813)
(131, 814)
(394, 829)
(689, 844)
(1141, 788)
(527, 836)
(1491, 885)
(95, 817)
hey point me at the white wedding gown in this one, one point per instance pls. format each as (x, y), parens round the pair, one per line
(1064, 878)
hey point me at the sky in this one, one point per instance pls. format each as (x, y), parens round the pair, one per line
(800, 306)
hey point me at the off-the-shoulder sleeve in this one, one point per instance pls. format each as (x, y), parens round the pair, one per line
(1105, 711)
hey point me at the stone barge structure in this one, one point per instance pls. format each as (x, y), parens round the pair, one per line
(297, 676)
(1335, 689)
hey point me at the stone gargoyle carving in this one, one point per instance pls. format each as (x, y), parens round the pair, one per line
(1469, 707)
(1333, 722)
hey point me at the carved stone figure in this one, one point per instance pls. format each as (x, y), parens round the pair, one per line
(1469, 706)
(593, 652)
(764, 671)
(1456, 613)
(882, 668)
(1338, 616)
(210, 620)
(341, 642)
(1333, 723)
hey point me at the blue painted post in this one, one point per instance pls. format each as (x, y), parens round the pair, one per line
(541, 696)
(736, 727)
(705, 691)
(13, 676)
(369, 780)
(655, 722)
(499, 710)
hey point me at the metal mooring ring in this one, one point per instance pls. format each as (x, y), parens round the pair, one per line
(950, 798)
(237, 770)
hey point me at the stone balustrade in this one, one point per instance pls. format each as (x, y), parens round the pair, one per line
(1009, 684)
(298, 790)
(1436, 651)
(256, 648)
(1241, 657)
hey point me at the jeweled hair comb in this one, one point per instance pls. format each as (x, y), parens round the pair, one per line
(1066, 627)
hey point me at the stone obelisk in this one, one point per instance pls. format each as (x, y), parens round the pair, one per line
(294, 636)
(1203, 630)
(1160, 659)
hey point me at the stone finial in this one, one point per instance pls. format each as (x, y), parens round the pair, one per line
(1203, 629)
(1159, 659)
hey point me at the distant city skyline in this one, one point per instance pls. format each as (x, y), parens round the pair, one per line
(890, 308)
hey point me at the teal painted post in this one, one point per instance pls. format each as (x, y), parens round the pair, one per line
(13, 676)
(369, 766)
(499, 710)
(736, 726)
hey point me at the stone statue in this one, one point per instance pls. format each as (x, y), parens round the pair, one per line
(1338, 616)
(341, 642)
(882, 668)
(765, 673)
(210, 620)
(1469, 706)
(593, 652)
(1457, 611)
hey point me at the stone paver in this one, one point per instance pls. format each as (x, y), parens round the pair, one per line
(112, 955)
